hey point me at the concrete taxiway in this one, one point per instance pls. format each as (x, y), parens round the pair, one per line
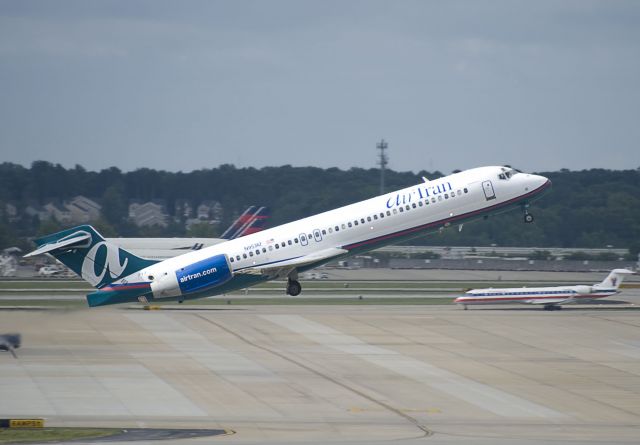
(334, 374)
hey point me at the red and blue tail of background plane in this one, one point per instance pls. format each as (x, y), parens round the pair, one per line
(253, 220)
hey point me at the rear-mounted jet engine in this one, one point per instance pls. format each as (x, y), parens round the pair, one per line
(195, 277)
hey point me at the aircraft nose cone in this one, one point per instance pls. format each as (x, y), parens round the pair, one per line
(537, 182)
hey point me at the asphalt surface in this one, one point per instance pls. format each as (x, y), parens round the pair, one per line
(335, 374)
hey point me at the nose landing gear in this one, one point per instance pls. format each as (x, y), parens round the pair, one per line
(528, 217)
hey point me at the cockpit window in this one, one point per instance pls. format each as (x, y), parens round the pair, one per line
(507, 173)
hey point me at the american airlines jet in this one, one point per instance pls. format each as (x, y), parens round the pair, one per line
(550, 297)
(287, 250)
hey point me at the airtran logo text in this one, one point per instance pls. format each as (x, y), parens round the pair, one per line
(99, 260)
(193, 276)
(420, 192)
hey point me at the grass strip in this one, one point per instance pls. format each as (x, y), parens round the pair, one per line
(43, 435)
(66, 304)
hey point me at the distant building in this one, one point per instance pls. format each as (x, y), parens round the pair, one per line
(148, 214)
(209, 211)
(79, 210)
(83, 209)
(60, 214)
(183, 209)
(37, 211)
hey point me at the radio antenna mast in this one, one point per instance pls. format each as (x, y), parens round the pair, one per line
(383, 160)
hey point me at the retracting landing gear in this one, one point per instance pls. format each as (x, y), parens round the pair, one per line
(293, 287)
(528, 217)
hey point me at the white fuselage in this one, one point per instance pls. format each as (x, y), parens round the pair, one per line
(549, 296)
(534, 295)
(372, 223)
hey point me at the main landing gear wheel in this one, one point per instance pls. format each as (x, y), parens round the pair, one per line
(293, 288)
(552, 307)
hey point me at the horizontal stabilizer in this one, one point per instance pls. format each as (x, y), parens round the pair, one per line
(83, 250)
(68, 243)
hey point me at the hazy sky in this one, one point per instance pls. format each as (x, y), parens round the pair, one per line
(183, 85)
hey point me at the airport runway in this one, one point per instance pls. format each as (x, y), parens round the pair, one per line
(338, 374)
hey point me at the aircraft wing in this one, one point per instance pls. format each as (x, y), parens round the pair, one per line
(548, 300)
(283, 268)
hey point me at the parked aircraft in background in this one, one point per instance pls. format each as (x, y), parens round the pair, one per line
(253, 220)
(298, 246)
(550, 297)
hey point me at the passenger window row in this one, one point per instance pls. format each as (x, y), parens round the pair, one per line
(345, 226)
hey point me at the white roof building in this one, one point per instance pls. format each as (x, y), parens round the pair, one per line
(148, 214)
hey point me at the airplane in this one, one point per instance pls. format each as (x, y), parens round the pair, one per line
(550, 297)
(10, 342)
(298, 246)
(252, 220)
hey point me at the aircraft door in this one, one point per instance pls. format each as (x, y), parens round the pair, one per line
(303, 239)
(317, 235)
(489, 193)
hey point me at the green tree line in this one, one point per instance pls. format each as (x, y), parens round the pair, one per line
(588, 208)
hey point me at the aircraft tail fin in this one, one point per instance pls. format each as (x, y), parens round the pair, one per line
(614, 279)
(252, 220)
(258, 222)
(83, 250)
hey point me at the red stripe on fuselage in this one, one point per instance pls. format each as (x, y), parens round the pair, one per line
(119, 287)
